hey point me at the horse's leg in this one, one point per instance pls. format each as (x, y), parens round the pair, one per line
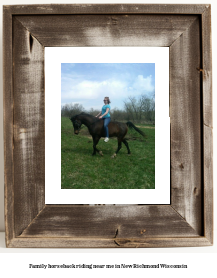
(127, 146)
(95, 142)
(118, 149)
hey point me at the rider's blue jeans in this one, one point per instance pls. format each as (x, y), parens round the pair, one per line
(106, 122)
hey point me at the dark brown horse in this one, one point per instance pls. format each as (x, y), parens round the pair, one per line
(96, 129)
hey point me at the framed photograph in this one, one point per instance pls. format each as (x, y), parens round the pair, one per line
(137, 81)
(61, 57)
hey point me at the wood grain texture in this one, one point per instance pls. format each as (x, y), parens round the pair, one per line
(207, 123)
(109, 222)
(207, 67)
(106, 9)
(185, 113)
(8, 125)
(208, 182)
(107, 30)
(108, 243)
(186, 30)
(29, 139)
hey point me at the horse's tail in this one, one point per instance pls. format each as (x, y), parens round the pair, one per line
(131, 125)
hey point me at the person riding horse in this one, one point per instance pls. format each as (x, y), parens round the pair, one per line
(105, 115)
(97, 130)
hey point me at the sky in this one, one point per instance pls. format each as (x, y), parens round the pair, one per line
(88, 84)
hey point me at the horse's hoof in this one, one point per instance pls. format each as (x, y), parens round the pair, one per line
(113, 156)
(100, 152)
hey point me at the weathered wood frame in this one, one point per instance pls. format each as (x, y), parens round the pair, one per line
(188, 220)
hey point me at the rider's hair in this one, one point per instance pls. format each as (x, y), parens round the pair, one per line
(108, 100)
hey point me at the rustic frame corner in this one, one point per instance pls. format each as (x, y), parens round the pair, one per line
(186, 30)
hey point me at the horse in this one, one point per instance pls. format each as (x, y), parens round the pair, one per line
(96, 129)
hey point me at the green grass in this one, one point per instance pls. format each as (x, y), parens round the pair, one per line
(81, 170)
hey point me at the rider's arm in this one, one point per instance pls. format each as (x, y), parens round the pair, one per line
(106, 112)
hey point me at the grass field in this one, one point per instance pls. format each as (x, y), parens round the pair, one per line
(81, 170)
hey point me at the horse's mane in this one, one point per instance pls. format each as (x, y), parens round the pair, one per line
(82, 113)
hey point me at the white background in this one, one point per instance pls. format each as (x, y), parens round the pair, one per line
(53, 192)
(201, 260)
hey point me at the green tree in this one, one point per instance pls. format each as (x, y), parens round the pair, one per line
(69, 110)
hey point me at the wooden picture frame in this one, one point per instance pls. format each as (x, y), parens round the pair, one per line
(186, 30)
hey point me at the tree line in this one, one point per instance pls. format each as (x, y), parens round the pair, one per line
(138, 110)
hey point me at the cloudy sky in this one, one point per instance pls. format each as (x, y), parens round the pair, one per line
(88, 84)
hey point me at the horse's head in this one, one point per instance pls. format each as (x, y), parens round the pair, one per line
(76, 124)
